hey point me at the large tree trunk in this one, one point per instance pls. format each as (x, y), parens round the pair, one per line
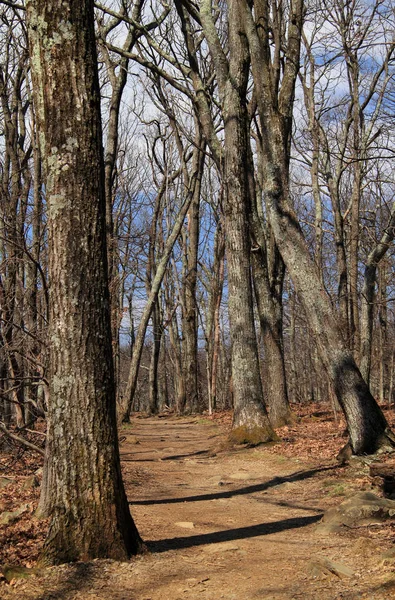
(365, 420)
(84, 493)
(250, 421)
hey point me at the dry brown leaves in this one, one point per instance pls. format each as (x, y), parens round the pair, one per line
(318, 433)
(20, 541)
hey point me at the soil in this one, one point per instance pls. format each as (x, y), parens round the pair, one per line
(226, 523)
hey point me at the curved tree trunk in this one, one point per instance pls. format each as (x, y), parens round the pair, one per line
(366, 422)
(84, 493)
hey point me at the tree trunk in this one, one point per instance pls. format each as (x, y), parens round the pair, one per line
(383, 332)
(190, 317)
(117, 73)
(366, 423)
(365, 420)
(213, 329)
(250, 421)
(84, 493)
(368, 294)
(274, 365)
(355, 208)
(294, 379)
(268, 275)
(341, 258)
(154, 364)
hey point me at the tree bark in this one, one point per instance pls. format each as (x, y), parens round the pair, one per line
(213, 320)
(250, 420)
(154, 363)
(368, 294)
(190, 316)
(272, 334)
(84, 493)
(268, 274)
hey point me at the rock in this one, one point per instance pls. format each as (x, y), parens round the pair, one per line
(388, 558)
(364, 508)
(366, 547)
(240, 476)
(382, 469)
(8, 517)
(30, 482)
(221, 547)
(4, 482)
(217, 480)
(345, 454)
(384, 476)
(131, 439)
(11, 573)
(185, 524)
(323, 567)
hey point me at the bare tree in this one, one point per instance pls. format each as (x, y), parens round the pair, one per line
(275, 78)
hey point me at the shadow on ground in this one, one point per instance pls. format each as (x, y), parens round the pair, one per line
(230, 535)
(250, 489)
(78, 578)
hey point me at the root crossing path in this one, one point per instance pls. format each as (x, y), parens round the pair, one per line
(219, 523)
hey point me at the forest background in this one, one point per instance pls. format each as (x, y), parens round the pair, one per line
(247, 171)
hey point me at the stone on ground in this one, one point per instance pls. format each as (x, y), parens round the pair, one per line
(364, 508)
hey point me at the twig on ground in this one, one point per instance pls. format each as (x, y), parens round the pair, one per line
(21, 440)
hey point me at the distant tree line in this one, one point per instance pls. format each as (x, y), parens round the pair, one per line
(249, 210)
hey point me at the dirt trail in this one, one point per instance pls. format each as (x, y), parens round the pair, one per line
(219, 524)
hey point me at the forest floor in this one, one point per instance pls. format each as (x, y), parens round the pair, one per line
(219, 522)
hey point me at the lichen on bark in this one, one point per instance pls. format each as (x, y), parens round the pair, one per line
(83, 492)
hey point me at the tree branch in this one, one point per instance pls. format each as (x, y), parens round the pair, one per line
(21, 440)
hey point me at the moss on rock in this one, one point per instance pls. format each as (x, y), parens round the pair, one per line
(252, 436)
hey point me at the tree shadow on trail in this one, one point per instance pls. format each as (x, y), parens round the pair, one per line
(250, 489)
(229, 535)
(200, 453)
(76, 578)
